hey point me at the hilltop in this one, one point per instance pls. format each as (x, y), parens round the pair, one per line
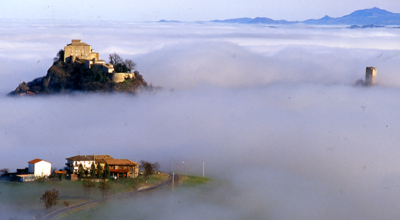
(78, 68)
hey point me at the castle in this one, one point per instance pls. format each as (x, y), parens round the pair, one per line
(80, 52)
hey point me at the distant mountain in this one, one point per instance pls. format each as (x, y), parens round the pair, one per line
(365, 26)
(257, 20)
(373, 16)
(170, 21)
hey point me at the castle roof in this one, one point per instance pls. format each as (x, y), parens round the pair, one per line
(77, 43)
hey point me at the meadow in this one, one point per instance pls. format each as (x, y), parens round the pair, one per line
(23, 199)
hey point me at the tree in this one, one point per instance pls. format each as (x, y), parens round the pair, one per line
(130, 65)
(3, 171)
(87, 186)
(99, 171)
(115, 59)
(106, 171)
(148, 168)
(50, 198)
(104, 186)
(121, 66)
(59, 56)
(81, 171)
(93, 170)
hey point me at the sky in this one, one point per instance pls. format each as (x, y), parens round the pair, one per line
(275, 112)
(190, 10)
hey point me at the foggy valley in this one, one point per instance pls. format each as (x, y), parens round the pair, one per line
(273, 111)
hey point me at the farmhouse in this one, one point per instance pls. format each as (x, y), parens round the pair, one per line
(118, 167)
(123, 168)
(85, 160)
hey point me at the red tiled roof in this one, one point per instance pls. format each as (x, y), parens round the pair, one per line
(37, 160)
(60, 172)
(121, 162)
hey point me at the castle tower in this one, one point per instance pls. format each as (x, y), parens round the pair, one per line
(370, 76)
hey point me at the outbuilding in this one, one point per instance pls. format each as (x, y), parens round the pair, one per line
(39, 168)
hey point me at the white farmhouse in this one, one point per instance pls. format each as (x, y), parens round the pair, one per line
(85, 160)
(39, 168)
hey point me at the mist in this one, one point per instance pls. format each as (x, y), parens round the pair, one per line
(275, 112)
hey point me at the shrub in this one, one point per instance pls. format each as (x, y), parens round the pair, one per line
(50, 198)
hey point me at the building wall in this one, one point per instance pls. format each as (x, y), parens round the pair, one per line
(86, 165)
(370, 76)
(27, 178)
(120, 77)
(42, 168)
(81, 52)
(31, 168)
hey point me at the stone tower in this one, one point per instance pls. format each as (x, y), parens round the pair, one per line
(370, 76)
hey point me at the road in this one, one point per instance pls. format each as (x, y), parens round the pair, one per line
(55, 213)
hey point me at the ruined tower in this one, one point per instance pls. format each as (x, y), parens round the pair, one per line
(370, 76)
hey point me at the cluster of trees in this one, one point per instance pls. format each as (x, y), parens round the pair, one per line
(95, 171)
(148, 168)
(121, 66)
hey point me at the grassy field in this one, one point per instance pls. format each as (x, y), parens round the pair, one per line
(22, 200)
(147, 205)
(191, 181)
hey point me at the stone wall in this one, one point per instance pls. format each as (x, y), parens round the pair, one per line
(120, 77)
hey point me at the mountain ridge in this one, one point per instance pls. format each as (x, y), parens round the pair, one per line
(373, 15)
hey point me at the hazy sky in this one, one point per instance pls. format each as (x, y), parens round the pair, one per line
(190, 10)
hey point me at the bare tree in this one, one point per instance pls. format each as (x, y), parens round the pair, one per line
(3, 171)
(50, 198)
(87, 186)
(130, 65)
(115, 59)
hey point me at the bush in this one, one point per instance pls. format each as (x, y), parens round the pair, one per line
(50, 198)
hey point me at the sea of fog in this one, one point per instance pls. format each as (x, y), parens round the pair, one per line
(274, 111)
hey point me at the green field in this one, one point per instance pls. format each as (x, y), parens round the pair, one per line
(155, 204)
(22, 200)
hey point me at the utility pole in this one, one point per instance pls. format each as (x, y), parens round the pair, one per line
(178, 167)
(185, 168)
(173, 180)
(203, 167)
(172, 165)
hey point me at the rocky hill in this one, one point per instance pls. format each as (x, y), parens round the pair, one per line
(71, 77)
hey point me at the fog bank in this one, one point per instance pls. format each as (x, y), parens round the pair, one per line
(273, 111)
